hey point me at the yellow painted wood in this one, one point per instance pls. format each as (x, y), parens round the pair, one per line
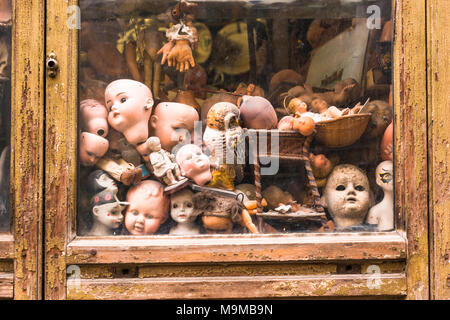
(6, 285)
(411, 205)
(410, 128)
(438, 45)
(27, 145)
(61, 144)
(238, 287)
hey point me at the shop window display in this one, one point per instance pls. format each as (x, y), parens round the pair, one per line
(235, 117)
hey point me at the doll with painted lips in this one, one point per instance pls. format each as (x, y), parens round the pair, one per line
(182, 211)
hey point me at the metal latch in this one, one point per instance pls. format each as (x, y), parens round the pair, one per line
(52, 65)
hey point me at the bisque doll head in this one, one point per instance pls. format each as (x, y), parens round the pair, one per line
(194, 163)
(182, 206)
(92, 148)
(106, 213)
(94, 117)
(173, 123)
(129, 104)
(148, 208)
(347, 195)
(385, 175)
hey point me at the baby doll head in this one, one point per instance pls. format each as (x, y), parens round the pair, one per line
(173, 123)
(194, 163)
(347, 195)
(94, 117)
(148, 208)
(129, 104)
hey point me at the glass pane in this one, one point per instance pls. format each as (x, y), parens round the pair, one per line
(5, 112)
(209, 117)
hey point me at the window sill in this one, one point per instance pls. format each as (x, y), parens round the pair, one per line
(237, 248)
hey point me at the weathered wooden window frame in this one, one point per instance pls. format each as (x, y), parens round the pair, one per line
(407, 244)
(21, 249)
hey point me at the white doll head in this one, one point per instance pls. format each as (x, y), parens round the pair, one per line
(182, 206)
(347, 195)
(385, 175)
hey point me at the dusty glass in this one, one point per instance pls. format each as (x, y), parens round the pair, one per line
(235, 117)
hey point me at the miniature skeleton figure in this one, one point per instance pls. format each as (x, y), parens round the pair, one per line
(162, 163)
(148, 208)
(382, 214)
(224, 137)
(347, 196)
(182, 211)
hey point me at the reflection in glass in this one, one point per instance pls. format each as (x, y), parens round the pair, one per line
(5, 112)
(288, 102)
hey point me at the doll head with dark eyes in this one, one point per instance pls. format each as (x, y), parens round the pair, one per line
(347, 195)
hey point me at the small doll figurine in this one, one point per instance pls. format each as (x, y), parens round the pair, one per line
(382, 214)
(148, 208)
(129, 104)
(106, 212)
(92, 148)
(162, 163)
(347, 196)
(194, 164)
(182, 211)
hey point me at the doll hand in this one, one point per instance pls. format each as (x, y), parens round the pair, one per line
(181, 56)
(165, 50)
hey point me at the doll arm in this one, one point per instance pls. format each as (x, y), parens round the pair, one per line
(120, 170)
(181, 55)
(165, 50)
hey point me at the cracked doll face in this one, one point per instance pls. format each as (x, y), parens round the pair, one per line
(347, 195)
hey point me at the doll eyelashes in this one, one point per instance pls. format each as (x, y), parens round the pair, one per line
(340, 188)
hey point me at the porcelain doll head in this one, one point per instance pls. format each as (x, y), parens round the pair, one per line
(94, 117)
(99, 181)
(385, 175)
(173, 123)
(92, 148)
(347, 195)
(194, 163)
(129, 104)
(182, 206)
(148, 208)
(106, 212)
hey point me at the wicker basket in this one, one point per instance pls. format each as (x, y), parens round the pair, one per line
(342, 132)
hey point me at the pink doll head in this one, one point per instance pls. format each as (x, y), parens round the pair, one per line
(92, 148)
(148, 208)
(129, 104)
(194, 163)
(173, 123)
(94, 117)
